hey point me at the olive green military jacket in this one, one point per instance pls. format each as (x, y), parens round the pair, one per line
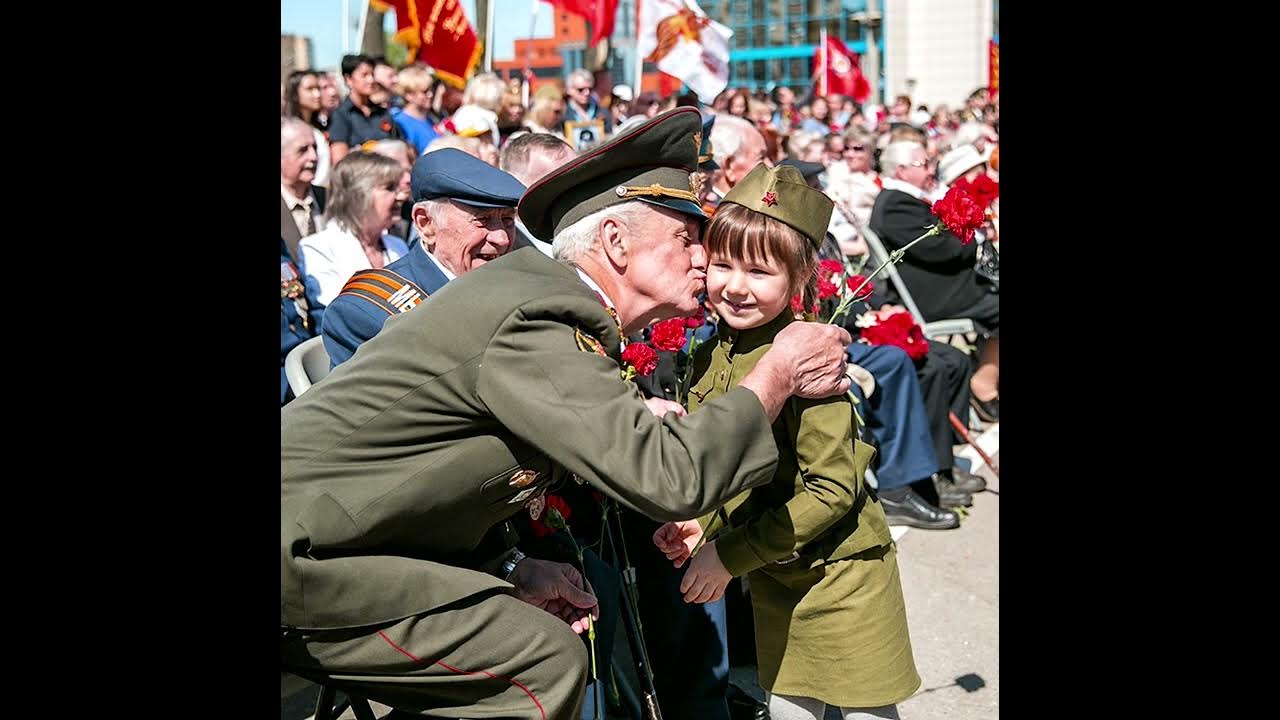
(817, 509)
(395, 465)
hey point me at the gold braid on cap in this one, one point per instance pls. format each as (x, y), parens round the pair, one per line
(703, 158)
(625, 192)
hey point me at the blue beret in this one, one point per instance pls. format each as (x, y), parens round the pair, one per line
(453, 174)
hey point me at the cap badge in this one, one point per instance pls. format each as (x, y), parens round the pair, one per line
(770, 198)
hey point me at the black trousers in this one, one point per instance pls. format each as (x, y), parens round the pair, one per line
(944, 384)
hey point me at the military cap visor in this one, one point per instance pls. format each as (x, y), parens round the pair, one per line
(782, 194)
(651, 162)
(453, 174)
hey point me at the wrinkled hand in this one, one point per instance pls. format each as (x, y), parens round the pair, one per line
(660, 407)
(676, 540)
(814, 355)
(557, 588)
(706, 578)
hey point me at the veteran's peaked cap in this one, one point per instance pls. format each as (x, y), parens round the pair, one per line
(651, 162)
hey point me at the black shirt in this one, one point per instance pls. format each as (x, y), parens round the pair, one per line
(349, 125)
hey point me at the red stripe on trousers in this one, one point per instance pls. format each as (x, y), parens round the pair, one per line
(450, 668)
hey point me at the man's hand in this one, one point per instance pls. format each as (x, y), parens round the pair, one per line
(660, 407)
(706, 578)
(676, 540)
(557, 588)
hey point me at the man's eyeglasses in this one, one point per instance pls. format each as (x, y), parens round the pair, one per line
(920, 163)
(579, 89)
(856, 148)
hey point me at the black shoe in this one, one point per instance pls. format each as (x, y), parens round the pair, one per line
(968, 482)
(988, 411)
(911, 509)
(948, 494)
(744, 707)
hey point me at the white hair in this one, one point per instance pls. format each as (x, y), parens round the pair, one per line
(575, 241)
(727, 135)
(897, 154)
(435, 210)
(582, 75)
(485, 90)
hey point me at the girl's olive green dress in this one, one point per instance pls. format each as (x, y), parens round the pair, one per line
(814, 544)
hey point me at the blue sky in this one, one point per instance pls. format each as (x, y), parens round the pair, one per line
(321, 20)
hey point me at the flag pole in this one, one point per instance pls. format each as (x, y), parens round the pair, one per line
(639, 81)
(488, 36)
(822, 84)
(346, 26)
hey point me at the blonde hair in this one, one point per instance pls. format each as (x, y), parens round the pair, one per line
(413, 79)
(352, 183)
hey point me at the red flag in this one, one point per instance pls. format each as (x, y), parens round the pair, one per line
(843, 75)
(436, 32)
(599, 13)
(993, 67)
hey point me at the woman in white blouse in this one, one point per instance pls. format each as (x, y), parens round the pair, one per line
(366, 192)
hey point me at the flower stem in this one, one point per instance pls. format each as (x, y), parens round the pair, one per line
(894, 257)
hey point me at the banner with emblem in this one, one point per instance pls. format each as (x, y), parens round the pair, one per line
(683, 42)
(838, 70)
(437, 33)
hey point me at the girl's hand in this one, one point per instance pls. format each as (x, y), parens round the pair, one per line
(677, 540)
(706, 578)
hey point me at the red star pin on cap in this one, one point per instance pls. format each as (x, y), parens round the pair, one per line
(770, 198)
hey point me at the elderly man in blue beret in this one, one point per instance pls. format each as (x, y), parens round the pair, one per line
(464, 211)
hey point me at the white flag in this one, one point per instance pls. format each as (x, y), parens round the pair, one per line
(686, 44)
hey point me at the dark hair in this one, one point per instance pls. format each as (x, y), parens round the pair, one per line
(774, 93)
(351, 62)
(291, 91)
(737, 231)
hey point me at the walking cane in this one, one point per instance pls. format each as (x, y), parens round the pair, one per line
(631, 618)
(964, 433)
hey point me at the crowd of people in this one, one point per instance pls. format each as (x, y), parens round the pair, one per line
(487, 282)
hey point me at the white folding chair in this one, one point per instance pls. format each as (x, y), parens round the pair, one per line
(306, 365)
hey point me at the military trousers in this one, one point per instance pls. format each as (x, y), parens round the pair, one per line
(488, 655)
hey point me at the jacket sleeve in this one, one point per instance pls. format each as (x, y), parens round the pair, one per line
(822, 434)
(574, 405)
(905, 219)
(349, 322)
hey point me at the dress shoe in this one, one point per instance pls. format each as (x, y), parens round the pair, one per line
(743, 706)
(948, 494)
(965, 481)
(988, 411)
(904, 506)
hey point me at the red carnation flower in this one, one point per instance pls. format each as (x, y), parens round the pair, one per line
(899, 329)
(641, 357)
(855, 281)
(797, 305)
(668, 335)
(826, 288)
(959, 213)
(983, 190)
(697, 319)
(827, 268)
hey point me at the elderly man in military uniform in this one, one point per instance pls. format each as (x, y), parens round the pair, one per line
(465, 411)
(464, 212)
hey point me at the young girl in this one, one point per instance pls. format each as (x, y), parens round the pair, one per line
(831, 626)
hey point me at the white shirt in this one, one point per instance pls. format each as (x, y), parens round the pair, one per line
(333, 255)
(906, 187)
